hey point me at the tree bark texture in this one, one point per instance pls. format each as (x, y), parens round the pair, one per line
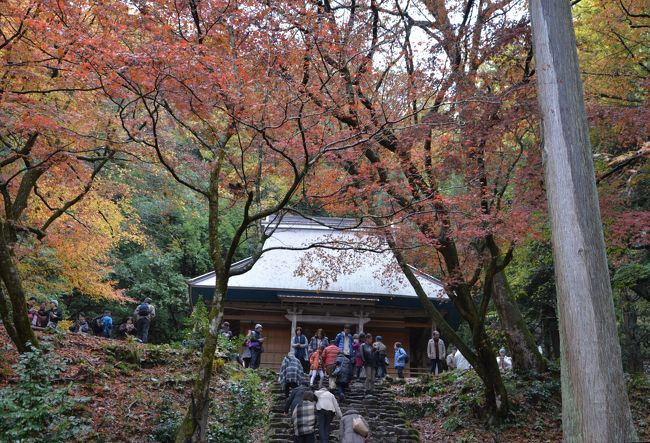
(6, 317)
(194, 427)
(595, 406)
(525, 355)
(487, 369)
(483, 360)
(14, 309)
(631, 340)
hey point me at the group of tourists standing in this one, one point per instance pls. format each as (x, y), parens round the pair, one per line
(441, 361)
(347, 357)
(49, 314)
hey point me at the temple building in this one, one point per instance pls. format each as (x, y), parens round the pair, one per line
(323, 273)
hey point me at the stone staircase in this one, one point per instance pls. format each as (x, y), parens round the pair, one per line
(380, 410)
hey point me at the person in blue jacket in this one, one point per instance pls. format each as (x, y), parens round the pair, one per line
(107, 324)
(344, 341)
(400, 359)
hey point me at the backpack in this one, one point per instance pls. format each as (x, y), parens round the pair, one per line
(143, 310)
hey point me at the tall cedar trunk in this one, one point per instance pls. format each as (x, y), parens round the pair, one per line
(16, 322)
(194, 427)
(632, 361)
(525, 355)
(595, 406)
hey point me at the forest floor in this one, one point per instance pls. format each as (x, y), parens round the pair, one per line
(450, 408)
(136, 392)
(139, 392)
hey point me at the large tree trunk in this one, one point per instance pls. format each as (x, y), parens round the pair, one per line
(194, 427)
(5, 315)
(550, 332)
(14, 313)
(632, 360)
(525, 356)
(595, 406)
(487, 369)
(484, 360)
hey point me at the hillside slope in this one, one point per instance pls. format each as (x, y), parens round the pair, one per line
(130, 392)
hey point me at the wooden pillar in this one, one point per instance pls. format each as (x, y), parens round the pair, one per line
(292, 315)
(362, 319)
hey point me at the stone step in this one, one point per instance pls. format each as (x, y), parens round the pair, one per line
(379, 409)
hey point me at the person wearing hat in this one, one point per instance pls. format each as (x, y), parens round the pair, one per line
(504, 362)
(256, 346)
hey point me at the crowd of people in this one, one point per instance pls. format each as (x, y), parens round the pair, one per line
(348, 357)
(313, 407)
(49, 314)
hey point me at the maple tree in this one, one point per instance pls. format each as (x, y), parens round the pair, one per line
(55, 138)
(192, 87)
(451, 160)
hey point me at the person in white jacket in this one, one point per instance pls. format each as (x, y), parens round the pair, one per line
(436, 353)
(504, 362)
(326, 407)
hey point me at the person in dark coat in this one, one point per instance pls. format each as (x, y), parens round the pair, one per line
(368, 354)
(343, 373)
(256, 345)
(55, 314)
(144, 313)
(299, 345)
(81, 325)
(318, 340)
(127, 329)
(295, 398)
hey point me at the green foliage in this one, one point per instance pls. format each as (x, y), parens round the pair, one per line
(453, 423)
(630, 275)
(541, 391)
(532, 278)
(166, 422)
(35, 409)
(196, 325)
(241, 409)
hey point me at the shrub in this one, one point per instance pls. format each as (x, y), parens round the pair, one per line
(35, 410)
(64, 325)
(167, 422)
(452, 423)
(241, 409)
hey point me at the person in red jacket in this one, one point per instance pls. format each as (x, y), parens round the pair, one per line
(316, 367)
(329, 361)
